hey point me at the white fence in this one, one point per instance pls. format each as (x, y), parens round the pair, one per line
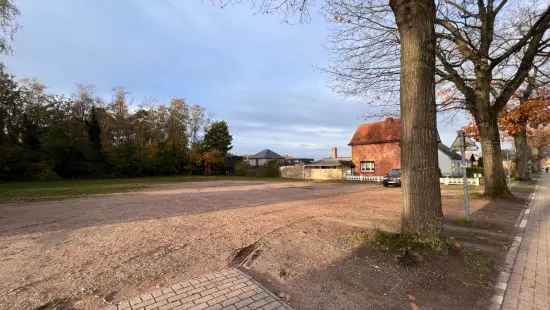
(379, 179)
(363, 178)
(457, 181)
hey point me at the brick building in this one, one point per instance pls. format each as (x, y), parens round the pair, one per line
(375, 150)
(375, 147)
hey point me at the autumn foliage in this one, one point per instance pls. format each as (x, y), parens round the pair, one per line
(531, 114)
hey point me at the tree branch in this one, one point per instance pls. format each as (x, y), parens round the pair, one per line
(537, 29)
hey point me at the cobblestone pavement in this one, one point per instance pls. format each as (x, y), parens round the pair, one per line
(229, 289)
(529, 285)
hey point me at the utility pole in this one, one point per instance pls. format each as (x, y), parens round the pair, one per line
(462, 136)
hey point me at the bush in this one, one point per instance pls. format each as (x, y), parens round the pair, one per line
(270, 170)
(41, 171)
(470, 171)
(396, 242)
(241, 169)
(22, 164)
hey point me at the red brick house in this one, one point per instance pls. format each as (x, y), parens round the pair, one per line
(375, 147)
(375, 150)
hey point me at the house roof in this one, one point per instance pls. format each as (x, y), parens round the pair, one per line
(446, 150)
(470, 144)
(329, 162)
(266, 154)
(388, 130)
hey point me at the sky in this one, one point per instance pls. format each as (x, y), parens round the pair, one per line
(259, 73)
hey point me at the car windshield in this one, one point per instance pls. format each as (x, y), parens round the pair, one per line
(394, 173)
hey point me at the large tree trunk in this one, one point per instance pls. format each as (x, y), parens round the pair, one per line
(421, 196)
(523, 153)
(493, 170)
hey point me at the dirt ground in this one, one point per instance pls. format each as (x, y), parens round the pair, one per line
(86, 253)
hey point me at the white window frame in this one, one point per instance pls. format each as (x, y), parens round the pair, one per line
(365, 167)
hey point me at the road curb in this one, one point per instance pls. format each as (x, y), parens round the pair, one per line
(506, 272)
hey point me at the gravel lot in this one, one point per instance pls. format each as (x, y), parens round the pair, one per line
(85, 253)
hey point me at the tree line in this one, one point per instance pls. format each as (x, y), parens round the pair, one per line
(45, 136)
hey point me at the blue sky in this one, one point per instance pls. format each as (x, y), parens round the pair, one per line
(255, 71)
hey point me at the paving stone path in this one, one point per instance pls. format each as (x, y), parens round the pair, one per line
(529, 284)
(229, 289)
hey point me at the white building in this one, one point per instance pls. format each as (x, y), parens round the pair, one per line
(449, 161)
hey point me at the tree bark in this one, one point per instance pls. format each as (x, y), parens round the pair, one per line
(523, 153)
(421, 196)
(493, 170)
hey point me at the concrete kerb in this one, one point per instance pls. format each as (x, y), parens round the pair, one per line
(504, 275)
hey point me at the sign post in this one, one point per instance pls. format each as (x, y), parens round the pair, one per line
(462, 136)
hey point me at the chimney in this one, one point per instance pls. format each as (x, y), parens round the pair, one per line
(334, 152)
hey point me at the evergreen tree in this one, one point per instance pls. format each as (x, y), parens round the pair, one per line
(218, 137)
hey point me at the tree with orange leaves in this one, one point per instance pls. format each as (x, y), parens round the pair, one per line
(524, 119)
(521, 121)
(211, 159)
(539, 140)
(471, 130)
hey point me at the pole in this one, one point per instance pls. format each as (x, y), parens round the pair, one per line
(509, 174)
(464, 176)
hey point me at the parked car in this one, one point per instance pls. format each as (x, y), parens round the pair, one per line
(392, 178)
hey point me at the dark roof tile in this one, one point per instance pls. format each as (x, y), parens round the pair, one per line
(266, 154)
(445, 149)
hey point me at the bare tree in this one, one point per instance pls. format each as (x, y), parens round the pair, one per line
(83, 101)
(478, 45)
(364, 50)
(421, 201)
(485, 50)
(197, 122)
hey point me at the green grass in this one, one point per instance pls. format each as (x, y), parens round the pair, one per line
(478, 267)
(63, 189)
(359, 237)
(475, 192)
(464, 222)
(394, 242)
(523, 186)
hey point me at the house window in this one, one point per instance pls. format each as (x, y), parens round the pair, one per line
(367, 166)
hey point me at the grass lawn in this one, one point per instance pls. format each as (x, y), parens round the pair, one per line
(44, 190)
(523, 186)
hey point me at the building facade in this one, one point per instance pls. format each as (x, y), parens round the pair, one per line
(375, 150)
(375, 147)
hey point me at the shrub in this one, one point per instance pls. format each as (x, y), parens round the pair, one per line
(470, 171)
(394, 242)
(41, 171)
(270, 170)
(241, 169)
